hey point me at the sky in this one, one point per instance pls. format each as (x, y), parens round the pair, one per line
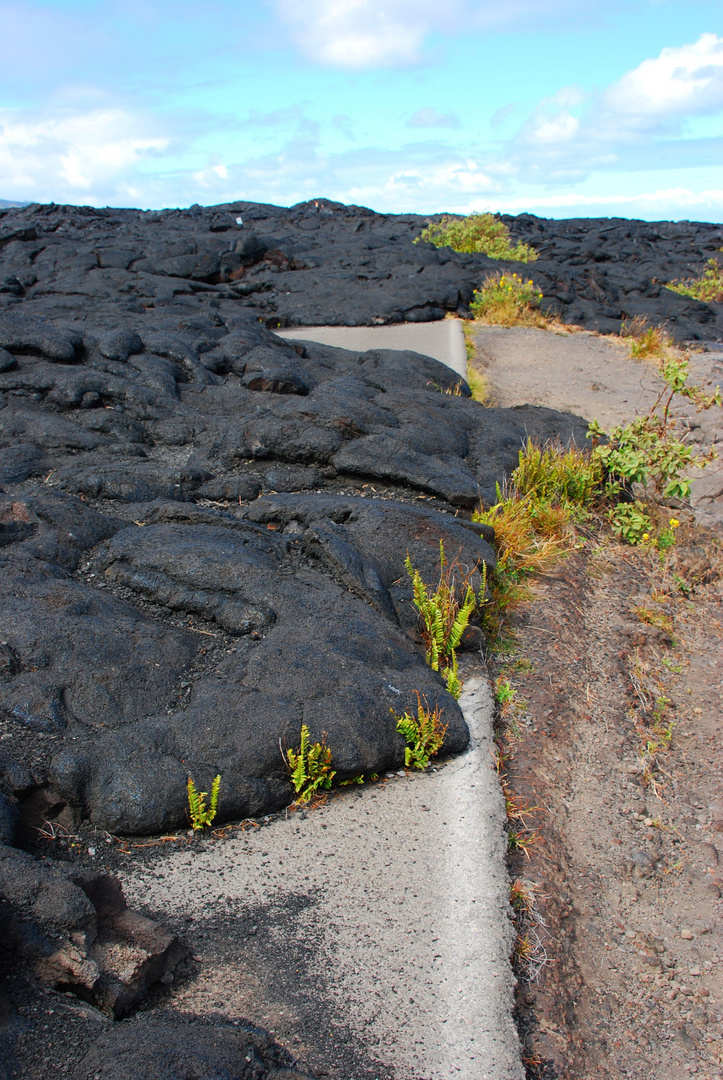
(562, 108)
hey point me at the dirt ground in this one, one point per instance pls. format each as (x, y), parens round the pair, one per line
(612, 742)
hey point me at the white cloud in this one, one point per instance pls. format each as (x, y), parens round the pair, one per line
(682, 81)
(358, 34)
(570, 134)
(430, 118)
(63, 154)
(361, 34)
(664, 198)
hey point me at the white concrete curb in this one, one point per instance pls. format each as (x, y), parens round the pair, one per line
(443, 340)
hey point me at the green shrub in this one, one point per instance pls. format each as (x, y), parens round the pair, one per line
(648, 450)
(708, 287)
(630, 522)
(482, 233)
(423, 733)
(508, 300)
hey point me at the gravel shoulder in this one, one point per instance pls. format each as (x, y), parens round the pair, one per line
(626, 872)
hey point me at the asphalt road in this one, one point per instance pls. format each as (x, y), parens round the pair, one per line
(378, 923)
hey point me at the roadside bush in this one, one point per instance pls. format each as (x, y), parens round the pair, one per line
(533, 518)
(482, 233)
(646, 342)
(508, 300)
(648, 450)
(708, 287)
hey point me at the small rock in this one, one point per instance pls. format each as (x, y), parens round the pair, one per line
(686, 933)
(709, 852)
(695, 971)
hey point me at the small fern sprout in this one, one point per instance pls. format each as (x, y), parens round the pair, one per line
(423, 734)
(310, 766)
(444, 616)
(200, 814)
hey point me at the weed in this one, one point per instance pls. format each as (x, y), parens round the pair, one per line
(553, 473)
(508, 300)
(656, 618)
(423, 733)
(666, 539)
(524, 666)
(483, 233)
(708, 287)
(521, 839)
(200, 814)
(478, 385)
(647, 450)
(522, 895)
(444, 615)
(533, 522)
(504, 694)
(452, 391)
(310, 766)
(646, 342)
(630, 522)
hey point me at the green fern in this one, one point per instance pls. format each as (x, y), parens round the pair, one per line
(200, 814)
(423, 734)
(310, 766)
(444, 618)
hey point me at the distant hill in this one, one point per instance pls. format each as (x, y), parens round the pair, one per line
(11, 202)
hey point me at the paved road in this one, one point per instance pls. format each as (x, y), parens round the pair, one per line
(378, 923)
(442, 340)
(597, 378)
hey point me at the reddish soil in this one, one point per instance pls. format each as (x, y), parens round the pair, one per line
(626, 868)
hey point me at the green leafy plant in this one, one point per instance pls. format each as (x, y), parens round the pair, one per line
(444, 612)
(483, 233)
(200, 814)
(504, 694)
(310, 766)
(508, 300)
(630, 522)
(708, 287)
(648, 450)
(360, 779)
(423, 734)
(666, 539)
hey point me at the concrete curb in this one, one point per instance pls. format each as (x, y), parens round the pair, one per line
(443, 340)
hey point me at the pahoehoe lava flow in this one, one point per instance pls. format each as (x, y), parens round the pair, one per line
(203, 527)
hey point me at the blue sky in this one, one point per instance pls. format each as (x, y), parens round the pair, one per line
(556, 107)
